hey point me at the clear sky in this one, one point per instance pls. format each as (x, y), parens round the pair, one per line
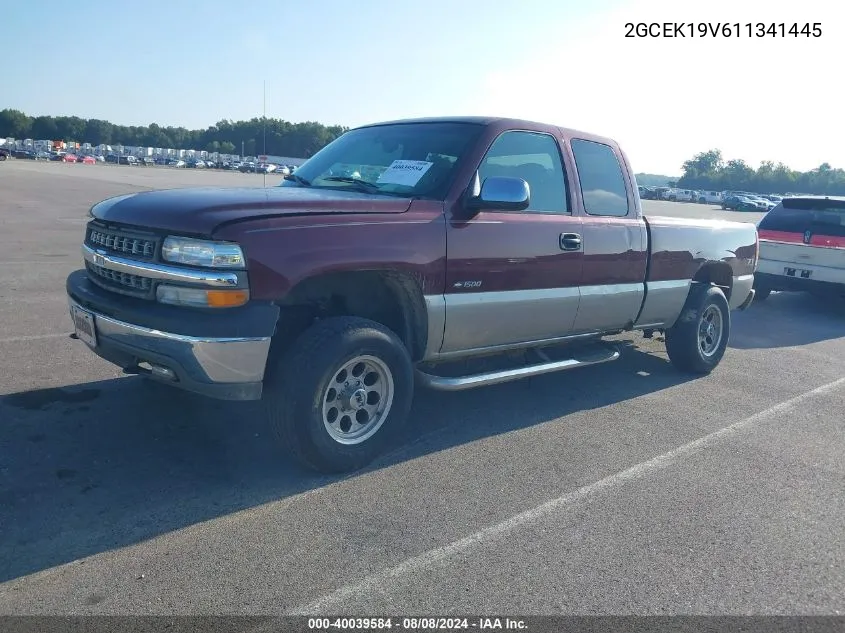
(194, 62)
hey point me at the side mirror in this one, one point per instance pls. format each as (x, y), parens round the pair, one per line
(501, 194)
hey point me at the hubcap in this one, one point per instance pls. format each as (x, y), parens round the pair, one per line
(710, 331)
(357, 400)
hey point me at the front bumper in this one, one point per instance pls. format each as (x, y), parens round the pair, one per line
(220, 355)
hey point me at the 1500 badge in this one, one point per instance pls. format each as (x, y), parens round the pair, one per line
(467, 284)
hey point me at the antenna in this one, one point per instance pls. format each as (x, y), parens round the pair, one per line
(264, 117)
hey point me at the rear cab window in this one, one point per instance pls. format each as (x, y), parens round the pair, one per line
(602, 180)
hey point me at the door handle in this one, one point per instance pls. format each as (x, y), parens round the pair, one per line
(570, 242)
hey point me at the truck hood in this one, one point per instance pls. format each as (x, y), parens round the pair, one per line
(200, 211)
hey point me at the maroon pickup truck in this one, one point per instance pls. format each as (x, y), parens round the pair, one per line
(448, 253)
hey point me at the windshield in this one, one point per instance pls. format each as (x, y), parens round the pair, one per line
(407, 159)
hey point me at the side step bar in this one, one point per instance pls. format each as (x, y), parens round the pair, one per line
(459, 383)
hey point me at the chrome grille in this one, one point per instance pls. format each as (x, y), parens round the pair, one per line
(118, 243)
(140, 285)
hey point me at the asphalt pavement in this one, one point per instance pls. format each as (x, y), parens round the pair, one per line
(625, 488)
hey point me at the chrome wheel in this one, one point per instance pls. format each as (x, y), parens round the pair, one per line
(710, 330)
(358, 399)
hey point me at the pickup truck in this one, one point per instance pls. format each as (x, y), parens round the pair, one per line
(446, 253)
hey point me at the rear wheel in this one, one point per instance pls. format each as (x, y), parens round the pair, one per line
(697, 342)
(342, 392)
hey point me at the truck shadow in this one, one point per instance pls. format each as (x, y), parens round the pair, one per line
(788, 319)
(104, 465)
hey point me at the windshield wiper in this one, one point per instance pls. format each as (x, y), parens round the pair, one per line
(298, 179)
(362, 184)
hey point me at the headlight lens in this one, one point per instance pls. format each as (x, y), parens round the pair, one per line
(201, 297)
(185, 250)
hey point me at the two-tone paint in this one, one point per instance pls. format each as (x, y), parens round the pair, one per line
(487, 281)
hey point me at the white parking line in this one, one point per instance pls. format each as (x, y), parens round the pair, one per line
(38, 262)
(383, 579)
(36, 337)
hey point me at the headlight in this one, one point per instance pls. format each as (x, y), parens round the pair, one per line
(201, 297)
(184, 250)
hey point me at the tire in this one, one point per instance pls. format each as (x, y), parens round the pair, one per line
(687, 350)
(302, 385)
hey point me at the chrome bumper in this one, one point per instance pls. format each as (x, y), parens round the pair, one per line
(225, 368)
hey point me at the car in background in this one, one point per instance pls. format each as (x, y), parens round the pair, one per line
(647, 193)
(680, 195)
(146, 161)
(765, 204)
(69, 158)
(87, 160)
(709, 197)
(740, 203)
(112, 158)
(127, 160)
(802, 247)
(5, 153)
(24, 154)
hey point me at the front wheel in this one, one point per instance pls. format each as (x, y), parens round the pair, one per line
(697, 342)
(341, 393)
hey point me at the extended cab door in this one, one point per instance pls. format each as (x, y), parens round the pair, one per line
(512, 277)
(615, 240)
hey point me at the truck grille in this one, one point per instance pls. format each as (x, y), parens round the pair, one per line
(118, 281)
(117, 242)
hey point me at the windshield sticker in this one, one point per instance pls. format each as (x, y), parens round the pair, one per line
(404, 172)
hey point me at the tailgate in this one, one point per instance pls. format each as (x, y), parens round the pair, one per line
(792, 253)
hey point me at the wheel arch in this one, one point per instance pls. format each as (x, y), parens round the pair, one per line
(392, 298)
(717, 274)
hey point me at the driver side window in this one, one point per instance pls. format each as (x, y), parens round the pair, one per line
(534, 157)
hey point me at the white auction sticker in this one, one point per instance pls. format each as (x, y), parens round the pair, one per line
(404, 172)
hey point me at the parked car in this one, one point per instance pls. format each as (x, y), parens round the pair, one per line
(802, 247)
(69, 158)
(127, 160)
(23, 154)
(5, 153)
(647, 193)
(709, 197)
(330, 296)
(740, 203)
(88, 160)
(763, 203)
(680, 195)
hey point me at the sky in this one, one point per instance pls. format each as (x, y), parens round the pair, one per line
(565, 62)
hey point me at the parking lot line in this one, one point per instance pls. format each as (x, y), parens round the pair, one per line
(35, 337)
(379, 580)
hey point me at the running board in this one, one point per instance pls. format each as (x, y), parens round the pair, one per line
(459, 383)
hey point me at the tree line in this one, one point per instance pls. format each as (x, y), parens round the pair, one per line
(708, 170)
(283, 138)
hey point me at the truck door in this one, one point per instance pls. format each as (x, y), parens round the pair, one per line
(512, 277)
(615, 241)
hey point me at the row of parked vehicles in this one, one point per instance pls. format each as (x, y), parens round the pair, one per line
(732, 200)
(147, 161)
